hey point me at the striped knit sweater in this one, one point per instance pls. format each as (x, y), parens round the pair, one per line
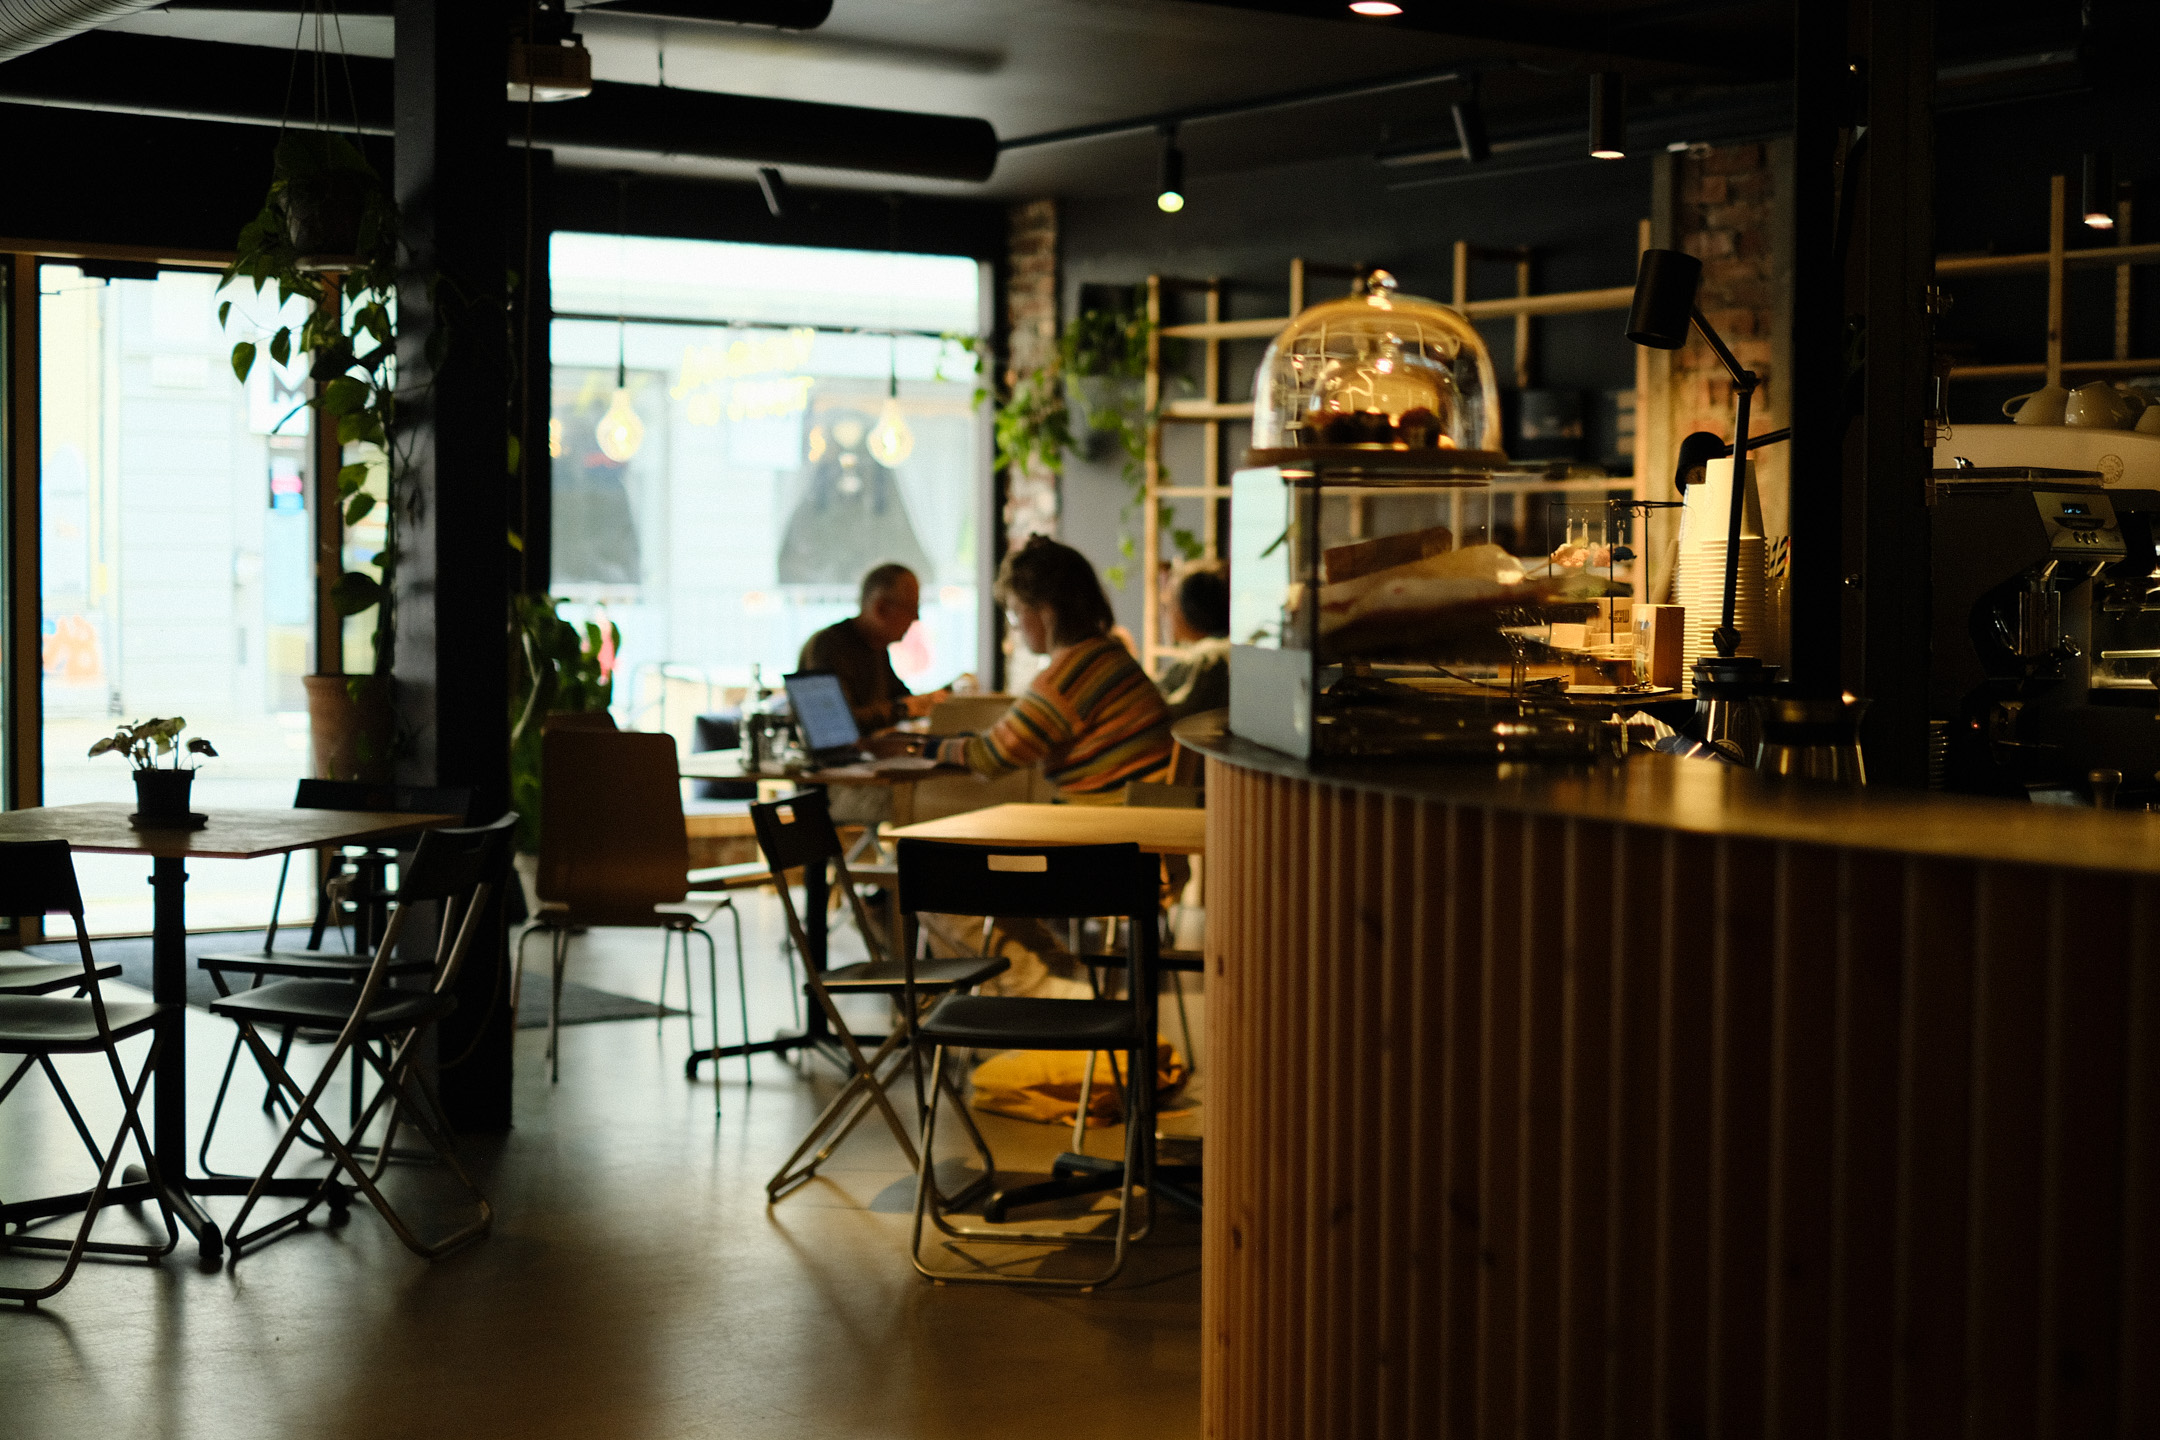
(1092, 717)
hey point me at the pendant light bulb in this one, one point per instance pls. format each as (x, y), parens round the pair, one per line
(2098, 190)
(891, 442)
(1608, 115)
(620, 432)
(1170, 182)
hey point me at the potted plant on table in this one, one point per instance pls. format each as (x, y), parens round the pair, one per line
(328, 232)
(161, 792)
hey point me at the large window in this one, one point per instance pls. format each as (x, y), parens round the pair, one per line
(176, 572)
(764, 469)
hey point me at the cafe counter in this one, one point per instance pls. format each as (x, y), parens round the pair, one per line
(1662, 1098)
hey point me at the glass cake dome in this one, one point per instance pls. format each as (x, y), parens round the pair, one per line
(1378, 375)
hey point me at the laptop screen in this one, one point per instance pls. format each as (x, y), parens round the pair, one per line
(821, 709)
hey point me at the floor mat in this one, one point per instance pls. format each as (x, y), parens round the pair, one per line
(581, 1004)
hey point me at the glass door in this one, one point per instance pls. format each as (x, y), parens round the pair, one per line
(177, 574)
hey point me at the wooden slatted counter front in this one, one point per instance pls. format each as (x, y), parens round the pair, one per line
(1665, 1100)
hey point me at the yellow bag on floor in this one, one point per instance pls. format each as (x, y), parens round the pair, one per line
(1044, 1085)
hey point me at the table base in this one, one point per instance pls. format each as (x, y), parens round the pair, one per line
(1074, 1174)
(786, 1041)
(135, 1189)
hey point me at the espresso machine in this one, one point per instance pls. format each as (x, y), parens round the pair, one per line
(2046, 636)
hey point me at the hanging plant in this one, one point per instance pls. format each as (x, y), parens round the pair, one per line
(328, 232)
(1094, 385)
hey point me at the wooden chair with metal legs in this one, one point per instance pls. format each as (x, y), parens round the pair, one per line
(365, 898)
(462, 872)
(614, 852)
(798, 833)
(38, 878)
(1043, 883)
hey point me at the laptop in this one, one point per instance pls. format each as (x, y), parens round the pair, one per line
(829, 732)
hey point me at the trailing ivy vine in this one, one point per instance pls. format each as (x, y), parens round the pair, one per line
(349, 336)
(1093, 384)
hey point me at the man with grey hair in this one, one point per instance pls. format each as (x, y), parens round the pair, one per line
(857, 650)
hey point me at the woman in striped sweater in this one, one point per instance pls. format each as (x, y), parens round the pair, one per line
(1092, 717)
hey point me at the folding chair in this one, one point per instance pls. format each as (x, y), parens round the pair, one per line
(1177, 964)
(364, 896)
(798, 833)
(1045, 883)
(463, 871)
(614, 851)
(38, 878)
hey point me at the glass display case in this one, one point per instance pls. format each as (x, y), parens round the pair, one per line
(1372, 612)
(1379, 371)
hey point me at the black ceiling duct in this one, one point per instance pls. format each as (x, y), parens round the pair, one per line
(779, 14)
(776, 14)
(647, 120)
(27, 25)
(200, 80)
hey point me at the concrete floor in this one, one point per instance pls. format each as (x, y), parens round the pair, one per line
(636, 1283)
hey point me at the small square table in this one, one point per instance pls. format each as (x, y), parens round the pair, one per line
(230, 834)
(1156, 830)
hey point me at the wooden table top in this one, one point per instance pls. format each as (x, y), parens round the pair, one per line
(1158, 831)
(232, 834)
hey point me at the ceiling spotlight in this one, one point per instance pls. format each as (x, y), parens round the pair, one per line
(1470, 126)
(1170, 183)
(1608, 115)
(1378, 9)
(2099, 190)
(775, 189)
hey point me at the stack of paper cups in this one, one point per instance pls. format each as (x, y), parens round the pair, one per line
(1699, 580)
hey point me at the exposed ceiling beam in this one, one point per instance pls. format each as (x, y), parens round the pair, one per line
(1348, 90)
(196, 79)
(1650, 35)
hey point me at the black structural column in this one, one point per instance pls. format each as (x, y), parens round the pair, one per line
(1817, 402)
(1898, 270)
(454, 570)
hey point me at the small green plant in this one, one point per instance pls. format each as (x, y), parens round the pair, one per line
(554, 668)
(145, 740)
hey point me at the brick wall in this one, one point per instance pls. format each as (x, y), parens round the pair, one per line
(1722, 216)
(1031, 308)
(1031, 313)
(1726, 211)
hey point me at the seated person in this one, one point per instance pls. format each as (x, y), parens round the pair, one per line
(857, 650)
(1200, 622)
(1091, 717)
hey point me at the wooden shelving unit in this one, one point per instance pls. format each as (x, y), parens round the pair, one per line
(1212, 412)
(2056, 262)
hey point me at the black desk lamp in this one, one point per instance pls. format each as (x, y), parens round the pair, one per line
(1664, 308)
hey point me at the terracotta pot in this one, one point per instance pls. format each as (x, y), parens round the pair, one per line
(354, 738)
(162, 794)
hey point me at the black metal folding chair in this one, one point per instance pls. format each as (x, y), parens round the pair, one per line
(797, 833)
(1043, 883)
(352, 887)
(461, 870)
(38, 878)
